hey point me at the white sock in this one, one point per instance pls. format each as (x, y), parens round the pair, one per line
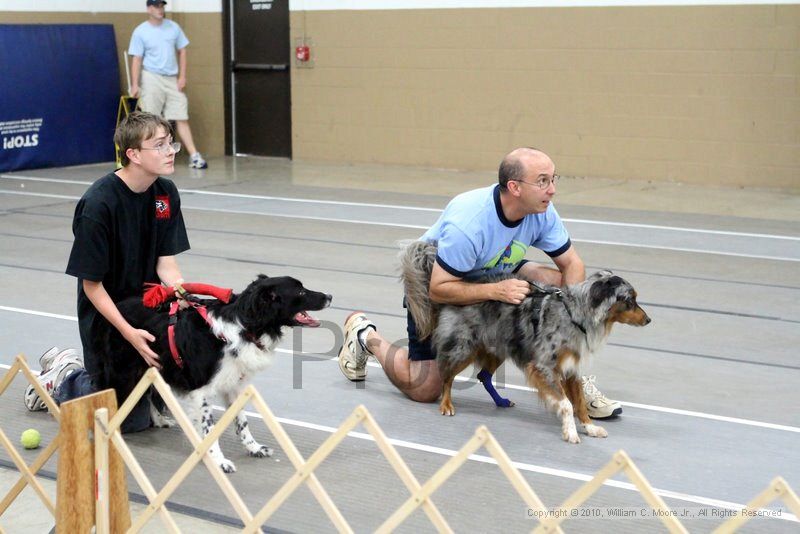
(362, 337)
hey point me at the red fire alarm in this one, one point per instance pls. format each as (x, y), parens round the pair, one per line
(302, 53)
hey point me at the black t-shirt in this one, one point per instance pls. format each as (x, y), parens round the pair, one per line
(119, 236)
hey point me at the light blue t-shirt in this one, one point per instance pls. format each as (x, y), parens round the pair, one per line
(157, 44)
(475, 239)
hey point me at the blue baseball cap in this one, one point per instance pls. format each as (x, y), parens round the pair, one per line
(155, 2)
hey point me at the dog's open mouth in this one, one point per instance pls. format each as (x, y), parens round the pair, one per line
(304, 319)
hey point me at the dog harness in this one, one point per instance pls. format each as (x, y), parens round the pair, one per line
(542, 292)
(157, 294)
(559, 295)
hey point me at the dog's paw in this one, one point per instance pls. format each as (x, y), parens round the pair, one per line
(227, 466)
(163, 421)
(261, 452)
(504, 403)
(570, 434)
(595, 431)
(446, 408)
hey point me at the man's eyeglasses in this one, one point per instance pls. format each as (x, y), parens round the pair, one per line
(543, 182)
(163, 149)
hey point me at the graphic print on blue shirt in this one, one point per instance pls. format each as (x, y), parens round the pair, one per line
(509, 257)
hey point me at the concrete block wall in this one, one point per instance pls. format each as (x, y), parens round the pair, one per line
(695, 94)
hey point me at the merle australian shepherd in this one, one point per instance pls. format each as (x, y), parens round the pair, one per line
(219, 356)
(547, 336)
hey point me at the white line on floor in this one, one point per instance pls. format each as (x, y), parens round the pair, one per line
(39, 313)
(45, 195)
(416, 208)
(307, 217)
(683, 249)
(662, 409)
(237, 195)
(533, 468)
(422, 227)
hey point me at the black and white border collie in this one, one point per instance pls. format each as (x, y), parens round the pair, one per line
(219, 356)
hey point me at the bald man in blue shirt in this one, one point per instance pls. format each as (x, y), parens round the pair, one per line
(481, 233)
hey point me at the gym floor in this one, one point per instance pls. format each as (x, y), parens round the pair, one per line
(709, 388)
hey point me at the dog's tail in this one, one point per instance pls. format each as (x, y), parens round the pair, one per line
(416, 263)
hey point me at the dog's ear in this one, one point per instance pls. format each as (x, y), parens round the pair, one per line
(604, 273)
(603, 289)
(261, 277)
(268, 294)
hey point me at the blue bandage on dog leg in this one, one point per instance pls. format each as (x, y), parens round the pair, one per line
(486, 379)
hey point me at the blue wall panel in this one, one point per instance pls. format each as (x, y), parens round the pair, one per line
(59, 91)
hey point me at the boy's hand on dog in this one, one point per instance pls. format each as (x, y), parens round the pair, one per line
(512, 291)
(139, 340)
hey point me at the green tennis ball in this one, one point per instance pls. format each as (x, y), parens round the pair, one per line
(31, 439)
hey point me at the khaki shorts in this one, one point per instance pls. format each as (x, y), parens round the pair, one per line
(160, 96)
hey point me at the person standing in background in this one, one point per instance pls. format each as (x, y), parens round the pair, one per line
(163, 77)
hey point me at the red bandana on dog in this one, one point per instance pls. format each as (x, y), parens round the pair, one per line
(162, 207)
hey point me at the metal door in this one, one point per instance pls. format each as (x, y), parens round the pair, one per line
(258, 92)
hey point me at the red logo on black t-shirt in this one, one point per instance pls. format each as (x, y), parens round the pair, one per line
(162, 207)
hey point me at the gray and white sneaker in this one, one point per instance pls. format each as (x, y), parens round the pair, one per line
(353, 355)
(196, 161)
(63, 364)
(599, 406)
(46, 359)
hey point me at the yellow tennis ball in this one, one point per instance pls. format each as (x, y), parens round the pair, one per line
(31, 439)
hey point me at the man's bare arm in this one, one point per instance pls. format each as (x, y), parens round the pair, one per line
(448, 289)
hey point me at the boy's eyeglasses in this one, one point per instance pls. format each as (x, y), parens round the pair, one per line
(164, 149)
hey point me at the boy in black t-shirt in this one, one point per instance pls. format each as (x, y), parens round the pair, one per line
(128, 228)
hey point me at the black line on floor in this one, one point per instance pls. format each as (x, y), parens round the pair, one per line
(37, 238)
(191, 229)
(719, 312)
(24, 211)
(687, 277)
(26, 268)
(708, 356)
(346, 271)
(288, 238)
(289, 265)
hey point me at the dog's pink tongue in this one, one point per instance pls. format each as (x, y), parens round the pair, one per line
(304, 319)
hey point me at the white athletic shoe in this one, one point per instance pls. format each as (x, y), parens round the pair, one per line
(63, 364)
(196, 161)
(599, 406)
(353, 356)
(46, 359)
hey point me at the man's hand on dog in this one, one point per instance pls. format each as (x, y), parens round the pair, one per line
(139, 340)
(512, 291)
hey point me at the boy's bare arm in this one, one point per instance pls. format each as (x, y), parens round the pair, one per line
(168, 271)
